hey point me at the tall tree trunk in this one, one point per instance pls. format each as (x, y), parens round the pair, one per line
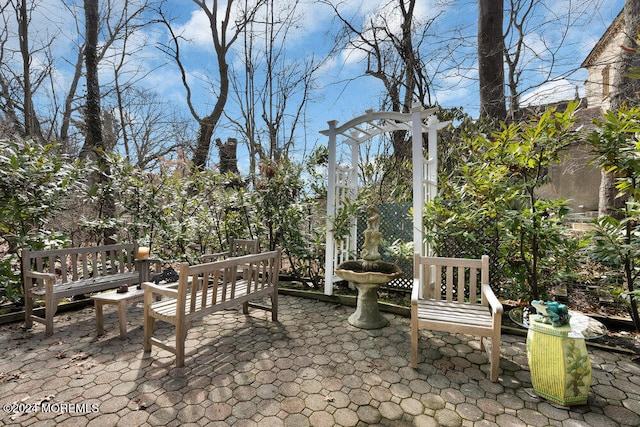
(31, 124)
(228, 155)
(94, 145)
(490, 59)
(626, 90)
(208, 123)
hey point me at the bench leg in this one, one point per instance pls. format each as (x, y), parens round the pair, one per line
(51, 306)
(274, 305)
(28, 310)
(99, 317)
(181, 336)
(149, 322)
(245, 308)
(495, 357)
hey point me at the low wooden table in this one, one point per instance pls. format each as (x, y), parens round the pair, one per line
(132, 295)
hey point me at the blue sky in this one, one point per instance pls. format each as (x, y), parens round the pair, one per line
(341, 92)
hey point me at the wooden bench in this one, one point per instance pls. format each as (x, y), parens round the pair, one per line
(52, 275)
(207, 288)
(447, 296)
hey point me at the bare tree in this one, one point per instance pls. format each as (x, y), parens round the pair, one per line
(225, 30)
(540, 43)
(272, 87)
(395, 56)
(147, 127)
(24, 80)
(93, 147)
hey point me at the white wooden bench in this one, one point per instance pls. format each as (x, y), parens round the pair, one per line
(52, 275)
(447, 296)
(207, 288)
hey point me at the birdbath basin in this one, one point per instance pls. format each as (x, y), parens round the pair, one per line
(367, 276)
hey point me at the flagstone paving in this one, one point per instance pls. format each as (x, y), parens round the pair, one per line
(310, 369)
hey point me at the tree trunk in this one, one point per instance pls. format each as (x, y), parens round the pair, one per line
(94, 146)
(626, 90)
(208, 124)
(490, 59)
(228, 155)
(93, 138)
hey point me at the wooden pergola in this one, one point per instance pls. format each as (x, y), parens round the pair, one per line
(343, 178)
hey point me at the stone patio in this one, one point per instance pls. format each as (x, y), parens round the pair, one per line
(311, 368)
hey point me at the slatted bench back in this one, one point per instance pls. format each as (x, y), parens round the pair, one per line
(212, 284)
(73, 264)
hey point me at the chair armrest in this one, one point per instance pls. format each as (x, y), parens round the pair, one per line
(415, 291)
(169, 290)
(495, 304)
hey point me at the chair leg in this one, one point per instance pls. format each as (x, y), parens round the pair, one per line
(495, 358)
(51, 306)
(414, 341)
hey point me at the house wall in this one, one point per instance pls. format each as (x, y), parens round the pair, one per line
(575, 180)
(596, 91)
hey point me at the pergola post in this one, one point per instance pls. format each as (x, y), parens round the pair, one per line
(418, 178)
(331, 207)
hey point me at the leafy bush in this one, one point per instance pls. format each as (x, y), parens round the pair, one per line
(616, 240)
(35, 184)
(489, 204)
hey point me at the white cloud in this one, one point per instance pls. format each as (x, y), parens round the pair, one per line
(555, 91)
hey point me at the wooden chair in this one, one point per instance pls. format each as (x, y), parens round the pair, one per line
(447, 297)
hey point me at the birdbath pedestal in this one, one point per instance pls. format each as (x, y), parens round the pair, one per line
(367, 314)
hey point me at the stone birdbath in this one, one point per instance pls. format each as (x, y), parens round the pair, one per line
(367, 274)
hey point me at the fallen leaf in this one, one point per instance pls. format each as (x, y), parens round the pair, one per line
(8, 377)
(79, 356)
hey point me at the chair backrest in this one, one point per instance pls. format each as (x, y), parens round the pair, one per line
(239, 247)
(452, 279)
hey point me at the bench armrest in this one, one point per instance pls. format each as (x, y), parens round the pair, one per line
(48, 279)
(38, 275)
(164, 290)
(495, 304)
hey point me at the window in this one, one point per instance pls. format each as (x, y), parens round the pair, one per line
(606, 84)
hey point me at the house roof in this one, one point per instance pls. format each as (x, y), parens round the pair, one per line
(615, 27)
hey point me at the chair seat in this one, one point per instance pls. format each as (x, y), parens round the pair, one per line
(454, 317)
